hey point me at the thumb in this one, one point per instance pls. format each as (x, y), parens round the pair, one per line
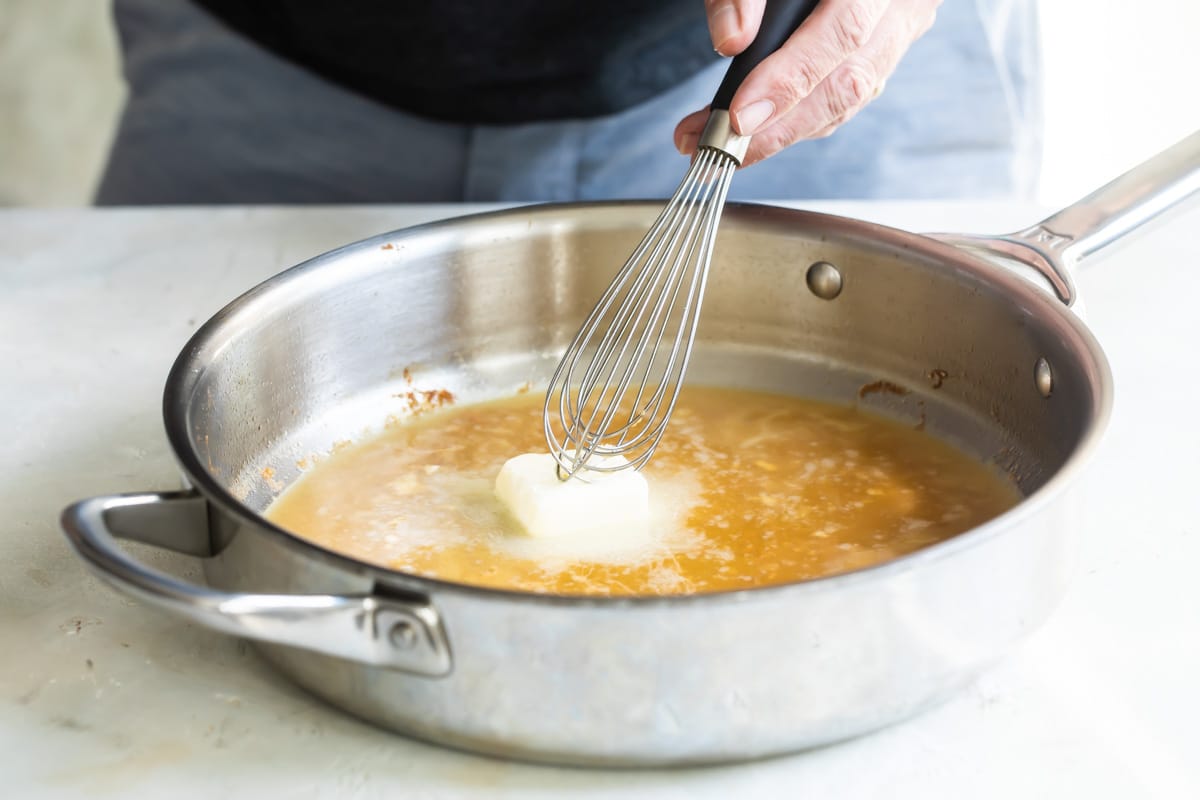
(733, 23)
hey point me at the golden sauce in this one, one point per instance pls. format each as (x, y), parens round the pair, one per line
(747, 489)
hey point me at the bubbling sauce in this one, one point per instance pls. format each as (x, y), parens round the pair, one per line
(747, 489)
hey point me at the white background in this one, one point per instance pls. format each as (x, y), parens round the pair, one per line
(1122, 81)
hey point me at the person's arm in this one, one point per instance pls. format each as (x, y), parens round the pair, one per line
(832, 66)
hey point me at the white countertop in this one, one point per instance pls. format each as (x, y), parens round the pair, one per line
(103, 696)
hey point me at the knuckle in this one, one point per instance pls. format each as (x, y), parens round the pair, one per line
(852, 27)
(805, 75)
(852, 87)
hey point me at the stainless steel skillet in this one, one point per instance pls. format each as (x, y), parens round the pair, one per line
(984, 352)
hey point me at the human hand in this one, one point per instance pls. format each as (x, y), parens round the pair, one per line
(830, 68)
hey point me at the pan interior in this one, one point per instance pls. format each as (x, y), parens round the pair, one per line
(482, 307)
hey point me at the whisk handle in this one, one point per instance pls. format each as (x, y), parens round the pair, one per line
(780, 19)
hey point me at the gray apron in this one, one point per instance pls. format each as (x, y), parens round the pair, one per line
(213, 118)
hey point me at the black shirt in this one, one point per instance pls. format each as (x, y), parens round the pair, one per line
(486, 61)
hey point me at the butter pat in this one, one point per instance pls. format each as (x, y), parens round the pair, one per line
(615, 504)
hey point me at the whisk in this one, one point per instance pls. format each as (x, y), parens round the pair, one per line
(616, 386)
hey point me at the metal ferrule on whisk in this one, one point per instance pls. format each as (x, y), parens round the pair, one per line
(719, 135)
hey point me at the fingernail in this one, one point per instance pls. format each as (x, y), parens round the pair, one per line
(750, 118)
(724, 26)
(687, 143)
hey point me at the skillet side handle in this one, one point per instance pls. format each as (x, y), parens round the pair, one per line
(1056, 244)
(375, 630)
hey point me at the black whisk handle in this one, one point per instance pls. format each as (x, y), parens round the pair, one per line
(780, 19)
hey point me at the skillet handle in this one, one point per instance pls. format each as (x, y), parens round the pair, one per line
(375, 630)
(1057, 243)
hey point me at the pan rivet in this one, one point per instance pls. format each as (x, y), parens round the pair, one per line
(403, 635)
(824, 280)
(1043, 378)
